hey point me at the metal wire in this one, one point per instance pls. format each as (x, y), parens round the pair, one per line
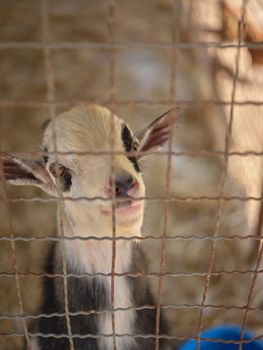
(149, 199)
(134, 336)
(112, 96)
(144, 307)
(131, 274)
(255, 275)
(143, 153)
(50, 81)
(128, 45)
(52, 103)
(132, 238)
(187, 103)
(176, 12)
(224, 173)
(175, 30)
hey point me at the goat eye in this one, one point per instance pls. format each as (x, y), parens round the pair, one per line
(64, 175)
(57, 170)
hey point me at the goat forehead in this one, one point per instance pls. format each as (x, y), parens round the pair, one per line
(84, 128)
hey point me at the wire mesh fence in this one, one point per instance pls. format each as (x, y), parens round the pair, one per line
(176, 207)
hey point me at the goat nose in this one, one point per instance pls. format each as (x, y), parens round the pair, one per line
(123, 183)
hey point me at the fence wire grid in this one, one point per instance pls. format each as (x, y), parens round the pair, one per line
(52, 104)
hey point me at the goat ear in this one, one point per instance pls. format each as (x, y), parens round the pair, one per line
(158, 132)
(22, 172)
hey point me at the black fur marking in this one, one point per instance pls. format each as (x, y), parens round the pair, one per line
(146, 318)
(88, 293)
(128, 141)
(28, 176)
(126, 138)
(66, 179)
(45, 156)
(84, 294)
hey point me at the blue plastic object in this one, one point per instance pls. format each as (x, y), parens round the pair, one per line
(225, 332)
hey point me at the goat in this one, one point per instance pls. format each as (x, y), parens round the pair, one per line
(64, 169)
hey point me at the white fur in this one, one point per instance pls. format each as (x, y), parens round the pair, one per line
(34, 344)
(96, 257)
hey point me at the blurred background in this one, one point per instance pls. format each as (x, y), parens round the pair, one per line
(146, 57)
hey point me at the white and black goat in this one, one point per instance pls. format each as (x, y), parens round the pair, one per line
(88, 129)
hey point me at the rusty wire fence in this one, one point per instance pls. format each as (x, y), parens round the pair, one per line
(51, 103)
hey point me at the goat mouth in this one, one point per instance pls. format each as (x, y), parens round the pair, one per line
(124, 203)
(127, 205)
(124, 206)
